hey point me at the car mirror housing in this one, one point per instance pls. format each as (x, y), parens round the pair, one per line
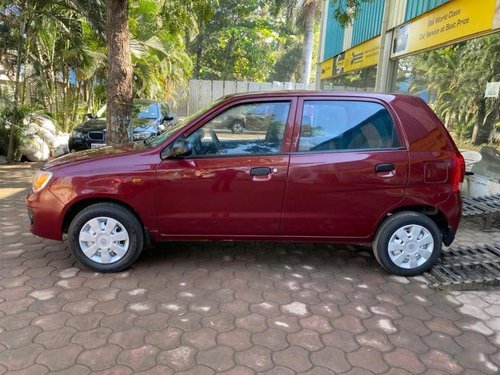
(90, 116)
(181, 147)
(168, 118)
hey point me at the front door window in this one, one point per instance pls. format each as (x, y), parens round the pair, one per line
(245, 129)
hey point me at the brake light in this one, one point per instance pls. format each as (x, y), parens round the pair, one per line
(458, 172)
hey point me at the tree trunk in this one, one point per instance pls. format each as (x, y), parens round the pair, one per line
(485, 122)
(119, 89)
(481, 113)
(307, 51)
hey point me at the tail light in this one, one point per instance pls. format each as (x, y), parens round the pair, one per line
(458, 172)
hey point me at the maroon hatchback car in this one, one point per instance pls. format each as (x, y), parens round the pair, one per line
(321, 167)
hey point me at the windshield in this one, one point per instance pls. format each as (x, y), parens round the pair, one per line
(155, 141)
(145, 111)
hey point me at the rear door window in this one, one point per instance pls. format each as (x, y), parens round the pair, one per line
(330, 125)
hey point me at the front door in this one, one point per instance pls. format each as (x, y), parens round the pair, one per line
(233, 183)
(347, 169)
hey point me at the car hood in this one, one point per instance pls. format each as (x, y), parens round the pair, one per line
(97, 153)
(138, 125)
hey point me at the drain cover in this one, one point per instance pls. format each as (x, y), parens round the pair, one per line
(466, 267)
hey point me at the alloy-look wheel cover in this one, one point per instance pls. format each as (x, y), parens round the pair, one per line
(104, 240)
(411, 246)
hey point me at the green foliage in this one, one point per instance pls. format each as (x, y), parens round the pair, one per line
(237, 42)
(10, 116)
(286, 68)
(62, 47)
(456, 78)
(347, 10)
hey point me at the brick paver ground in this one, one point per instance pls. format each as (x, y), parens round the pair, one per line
(228, 308)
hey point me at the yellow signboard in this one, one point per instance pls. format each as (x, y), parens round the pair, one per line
(362, 56)
(327, 68)
(450, 22)
(359, 57)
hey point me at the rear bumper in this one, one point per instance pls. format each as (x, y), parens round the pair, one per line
(44, 212)
(448, 236)
(452, 209)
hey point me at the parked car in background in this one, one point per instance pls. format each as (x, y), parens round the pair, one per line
(321, 167)
(247, 118)
(149, 118)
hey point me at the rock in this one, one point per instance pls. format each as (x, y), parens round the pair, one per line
(44, 140)
(34, 148)
(59, 145)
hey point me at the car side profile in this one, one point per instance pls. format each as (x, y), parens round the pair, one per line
(317, 167)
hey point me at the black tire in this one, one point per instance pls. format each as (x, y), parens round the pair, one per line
(389, 227)
(237, 126)
(125, 218)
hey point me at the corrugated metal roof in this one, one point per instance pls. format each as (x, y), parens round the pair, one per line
(415, 8)
(368, 23)
(334, 35)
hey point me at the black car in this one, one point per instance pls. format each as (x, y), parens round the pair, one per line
(149, 118)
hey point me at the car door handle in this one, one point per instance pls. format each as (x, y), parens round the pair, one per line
(384, 167)
(260, 171)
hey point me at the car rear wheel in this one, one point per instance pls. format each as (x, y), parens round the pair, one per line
(105, 237)
(237, 127)
(407, 244)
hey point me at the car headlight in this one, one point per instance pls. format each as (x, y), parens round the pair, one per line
(141, 135)
(77, 134)
(41, 180)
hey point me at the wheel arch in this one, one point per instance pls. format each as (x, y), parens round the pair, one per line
(431, 212)
(80, 205)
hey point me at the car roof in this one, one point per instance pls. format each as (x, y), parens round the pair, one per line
(354, 94)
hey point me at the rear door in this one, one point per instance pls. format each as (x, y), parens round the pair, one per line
(347, 168)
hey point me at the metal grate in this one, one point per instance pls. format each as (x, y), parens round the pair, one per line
(480, 205)
(467, 267)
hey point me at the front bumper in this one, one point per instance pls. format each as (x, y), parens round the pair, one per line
(80, 144)
(45, 214)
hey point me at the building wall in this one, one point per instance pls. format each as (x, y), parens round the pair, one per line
(368, 22)
(334, 35)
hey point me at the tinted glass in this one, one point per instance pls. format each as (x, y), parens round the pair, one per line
(255, 128)
(346, 125)
(145, 111)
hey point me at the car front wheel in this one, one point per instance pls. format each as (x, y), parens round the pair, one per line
(407, 244)
(105, 237)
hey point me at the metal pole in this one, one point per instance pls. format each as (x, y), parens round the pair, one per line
(383, 58)
(324, 15)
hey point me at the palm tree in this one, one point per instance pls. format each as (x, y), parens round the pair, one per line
(119, 89)
(309, 14)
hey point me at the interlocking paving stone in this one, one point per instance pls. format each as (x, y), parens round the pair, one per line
(231, 308)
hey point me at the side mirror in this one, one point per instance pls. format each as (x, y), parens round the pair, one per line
(167, 118)
(89, 116)
(181, 147)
